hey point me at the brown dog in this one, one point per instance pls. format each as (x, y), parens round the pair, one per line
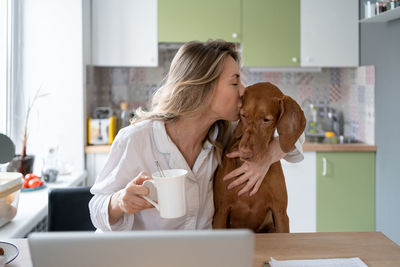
(265, 108)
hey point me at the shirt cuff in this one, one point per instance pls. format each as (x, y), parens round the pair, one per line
(100, 216)
(296, 155)
(125, 223)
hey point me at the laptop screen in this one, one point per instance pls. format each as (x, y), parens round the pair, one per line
(233, 248)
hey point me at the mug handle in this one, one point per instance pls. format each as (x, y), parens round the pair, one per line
(147, 183)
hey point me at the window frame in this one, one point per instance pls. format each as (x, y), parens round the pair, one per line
(9, 14)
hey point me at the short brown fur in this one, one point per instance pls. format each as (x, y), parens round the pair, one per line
(265, 108)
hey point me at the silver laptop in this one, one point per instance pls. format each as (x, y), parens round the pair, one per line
(233, 248)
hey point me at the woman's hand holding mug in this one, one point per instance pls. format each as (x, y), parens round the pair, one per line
(129, 199)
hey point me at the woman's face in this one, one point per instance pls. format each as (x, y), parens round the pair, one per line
(228, 92)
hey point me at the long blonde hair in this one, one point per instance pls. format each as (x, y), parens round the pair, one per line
(190, 83)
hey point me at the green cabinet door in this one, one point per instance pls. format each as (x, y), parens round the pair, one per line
(186, 20)
(271, 33)
(345, 191)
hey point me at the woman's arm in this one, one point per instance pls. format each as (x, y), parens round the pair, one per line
(116, 190)
(254, 171)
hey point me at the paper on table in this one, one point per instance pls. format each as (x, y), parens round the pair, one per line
(335, 262)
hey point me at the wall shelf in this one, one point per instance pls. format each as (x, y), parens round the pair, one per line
(384, 17)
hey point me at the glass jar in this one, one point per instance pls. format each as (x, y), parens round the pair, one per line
(391, 5)
(330, 138)
(50, 166)
(369, 9)
(380, 7)
(125, 116)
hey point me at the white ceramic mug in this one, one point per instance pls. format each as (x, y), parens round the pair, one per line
(170, 190)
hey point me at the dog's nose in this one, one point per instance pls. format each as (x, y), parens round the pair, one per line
(245, 153)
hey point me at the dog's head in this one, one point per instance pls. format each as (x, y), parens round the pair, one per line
(264, 109)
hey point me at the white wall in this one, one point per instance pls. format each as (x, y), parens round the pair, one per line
(52, 58)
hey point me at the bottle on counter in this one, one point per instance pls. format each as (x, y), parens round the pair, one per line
(369, 9)
(330, 138)
(125, 116)
(50, 168)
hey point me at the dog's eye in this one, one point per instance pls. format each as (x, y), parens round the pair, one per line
(266, 120)
(243, 116)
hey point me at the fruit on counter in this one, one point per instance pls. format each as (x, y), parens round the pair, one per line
(32, 181)
(30, 176)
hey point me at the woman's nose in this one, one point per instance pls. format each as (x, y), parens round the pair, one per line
(241, 89)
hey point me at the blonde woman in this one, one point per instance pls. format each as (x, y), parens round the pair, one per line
(185, 128)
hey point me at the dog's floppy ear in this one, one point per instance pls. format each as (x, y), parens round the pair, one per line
(291, 123)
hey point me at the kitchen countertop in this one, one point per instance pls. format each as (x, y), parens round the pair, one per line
(338, 147)
(32, 206)
(317, 147)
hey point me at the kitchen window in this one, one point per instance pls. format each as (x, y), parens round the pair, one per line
(9, 25)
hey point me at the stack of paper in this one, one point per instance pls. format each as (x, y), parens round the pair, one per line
(336, 262)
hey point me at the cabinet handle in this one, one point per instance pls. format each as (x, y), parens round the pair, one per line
(234, 35)
(323, 166)
(294, 59)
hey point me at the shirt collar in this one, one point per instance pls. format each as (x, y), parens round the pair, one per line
(163, 141)
(160, 137)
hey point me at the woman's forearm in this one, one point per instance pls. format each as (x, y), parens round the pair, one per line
(114, 210)
(275, 152)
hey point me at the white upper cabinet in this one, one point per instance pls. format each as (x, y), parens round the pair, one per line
(329, 33)
(124, 33)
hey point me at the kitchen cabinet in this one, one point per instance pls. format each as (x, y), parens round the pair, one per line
(301, 187)
(271, 33)
(289, 33)
(345, 191)
(327, 191)
(186, 20)
(124, 33)
(94, 164)
(329, 33)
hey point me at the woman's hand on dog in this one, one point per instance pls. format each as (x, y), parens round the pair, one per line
(253, 172)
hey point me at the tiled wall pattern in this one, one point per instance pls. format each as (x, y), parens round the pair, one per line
(350, 91)
(109, 86)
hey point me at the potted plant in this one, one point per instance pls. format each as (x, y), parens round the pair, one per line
(23, 163)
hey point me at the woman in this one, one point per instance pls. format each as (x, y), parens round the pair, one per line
(186, 128)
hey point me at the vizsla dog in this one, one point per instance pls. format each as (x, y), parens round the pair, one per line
(265, 108)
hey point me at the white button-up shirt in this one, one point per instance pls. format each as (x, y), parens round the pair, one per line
(134, 150)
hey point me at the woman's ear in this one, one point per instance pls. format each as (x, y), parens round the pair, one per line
(291, 123)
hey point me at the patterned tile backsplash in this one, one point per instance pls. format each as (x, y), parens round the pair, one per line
(349, 91)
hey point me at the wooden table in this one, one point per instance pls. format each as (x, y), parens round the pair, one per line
(374, 248)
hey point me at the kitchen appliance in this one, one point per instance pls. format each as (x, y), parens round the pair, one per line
(102, 128)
